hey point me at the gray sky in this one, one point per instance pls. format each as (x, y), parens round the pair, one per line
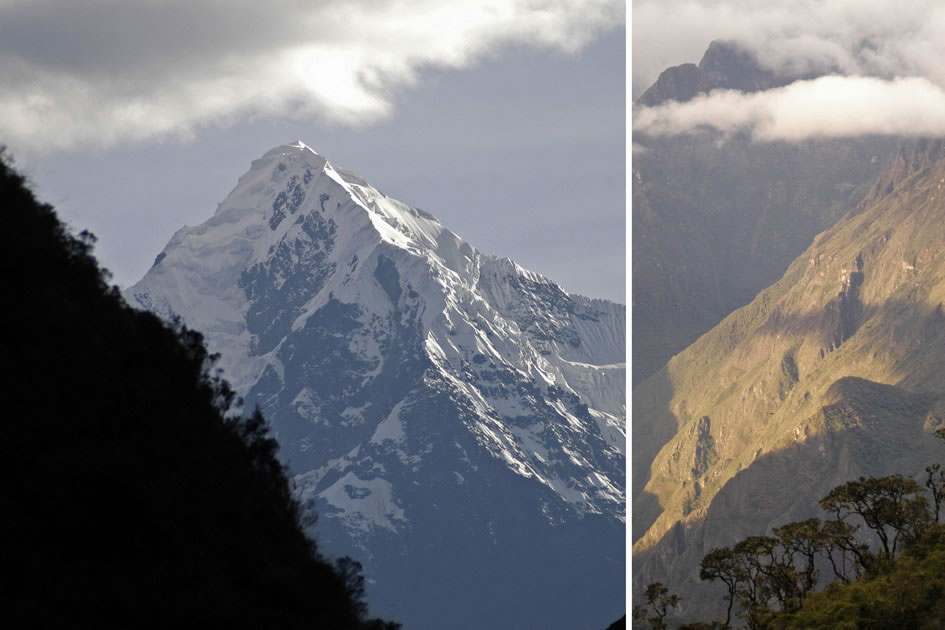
(506, 121)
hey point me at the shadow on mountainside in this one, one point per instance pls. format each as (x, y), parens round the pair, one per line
(899, 330)
(652, 425)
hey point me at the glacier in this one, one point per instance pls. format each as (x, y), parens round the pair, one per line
(455, 421)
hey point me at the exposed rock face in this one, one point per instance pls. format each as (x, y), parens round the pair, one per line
(725, 65)
(833, 372)
(679, 83)
(455, 421)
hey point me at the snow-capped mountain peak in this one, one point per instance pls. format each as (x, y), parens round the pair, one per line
(397, 363)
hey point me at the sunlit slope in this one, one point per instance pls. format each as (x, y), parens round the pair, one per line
(851, 339)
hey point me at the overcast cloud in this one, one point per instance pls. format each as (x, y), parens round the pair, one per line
(100, 72)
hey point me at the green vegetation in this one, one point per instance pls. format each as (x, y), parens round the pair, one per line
(134, 495)
(910, 595)
(883, 544)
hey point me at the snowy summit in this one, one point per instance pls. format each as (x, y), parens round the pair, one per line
(433, 402)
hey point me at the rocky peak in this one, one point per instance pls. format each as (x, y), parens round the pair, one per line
(725, 65)
(728, 65)
(678, 83)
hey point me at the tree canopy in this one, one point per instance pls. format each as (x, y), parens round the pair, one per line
(883, 544)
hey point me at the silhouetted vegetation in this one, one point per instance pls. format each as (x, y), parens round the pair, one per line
(134, 495)
(882, 546)
(620, 624)
(657, 602)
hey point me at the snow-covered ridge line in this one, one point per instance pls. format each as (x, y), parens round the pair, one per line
(455, 268)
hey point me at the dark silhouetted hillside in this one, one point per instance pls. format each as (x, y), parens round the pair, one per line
(619, 624)
(131, 497)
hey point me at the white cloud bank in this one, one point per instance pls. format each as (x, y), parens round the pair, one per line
(99, 72)
(831, 106)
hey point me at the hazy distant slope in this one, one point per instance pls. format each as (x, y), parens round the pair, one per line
(716, 219)
(834, 371)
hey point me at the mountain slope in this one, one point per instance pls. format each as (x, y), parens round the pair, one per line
(716, 219)
(434, 402)
(833, 372)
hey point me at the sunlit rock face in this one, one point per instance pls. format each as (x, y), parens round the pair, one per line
(833, 372)
(455, 421)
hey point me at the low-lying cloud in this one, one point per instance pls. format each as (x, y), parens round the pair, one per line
(99, 72)
(827, 107)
